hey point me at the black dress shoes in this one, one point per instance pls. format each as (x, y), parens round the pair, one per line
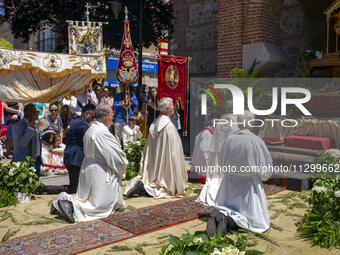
(222, 223)
(53, 210)
(137, 189)
(211, 227)
(232, 226)
(214, 212)
(40, 189)
(217, 222)
(66, 208)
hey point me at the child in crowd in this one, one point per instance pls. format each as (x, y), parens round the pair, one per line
(131, 132)
(47, 141)
(58, 155)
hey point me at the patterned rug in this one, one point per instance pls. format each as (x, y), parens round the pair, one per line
(86, 236)
(153, 218)
(68, 240)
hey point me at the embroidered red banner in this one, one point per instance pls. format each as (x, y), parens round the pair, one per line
(127, 68)
(172, 80)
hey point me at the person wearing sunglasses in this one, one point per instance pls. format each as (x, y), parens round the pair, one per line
(106, 95)
(97, 89)
(56, 123)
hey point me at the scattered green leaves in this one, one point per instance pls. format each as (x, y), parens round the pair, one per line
(118, 248)
(9, 234)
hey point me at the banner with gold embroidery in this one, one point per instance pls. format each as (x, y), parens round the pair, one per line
(85, 37)
(28, 76)
(127, 71)
(172, 80)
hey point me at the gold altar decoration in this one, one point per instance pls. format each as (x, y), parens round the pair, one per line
(333, 11)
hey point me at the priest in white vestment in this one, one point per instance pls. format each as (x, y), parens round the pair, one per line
(200, 155)
(162, 168)
(224, 127)
(241, 195)
(99, 190)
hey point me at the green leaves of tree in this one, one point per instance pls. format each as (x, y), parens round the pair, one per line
(31, 16)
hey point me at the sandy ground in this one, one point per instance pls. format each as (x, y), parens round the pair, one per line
(286, 210)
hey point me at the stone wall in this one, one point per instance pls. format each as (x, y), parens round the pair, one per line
(196, 35)
(293, 27)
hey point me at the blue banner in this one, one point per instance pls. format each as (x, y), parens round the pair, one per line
(2, 9)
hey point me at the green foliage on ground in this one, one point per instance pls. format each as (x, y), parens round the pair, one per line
(9, 234)
(7, 198)
(201, 243)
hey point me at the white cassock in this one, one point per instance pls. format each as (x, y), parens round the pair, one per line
(131, 134)
(162, 166)
(214, 178)
(200, 155)
(99, 190)
(241, 194)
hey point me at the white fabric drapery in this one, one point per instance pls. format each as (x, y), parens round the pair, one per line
(214, 178)
(29, 77)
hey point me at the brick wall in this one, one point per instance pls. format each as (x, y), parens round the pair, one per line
(242, 22)
(250, 22)
(230, 36)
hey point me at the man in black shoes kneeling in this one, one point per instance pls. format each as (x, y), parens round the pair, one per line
(99, 191)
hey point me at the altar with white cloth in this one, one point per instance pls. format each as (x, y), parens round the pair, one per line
(317, 127)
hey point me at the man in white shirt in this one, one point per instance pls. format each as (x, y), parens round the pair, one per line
(131, 132)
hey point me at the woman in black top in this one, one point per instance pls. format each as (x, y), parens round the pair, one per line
(153, 111)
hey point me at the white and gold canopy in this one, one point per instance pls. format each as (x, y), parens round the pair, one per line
(27, 76)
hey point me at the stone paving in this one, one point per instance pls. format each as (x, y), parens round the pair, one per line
(283, 209)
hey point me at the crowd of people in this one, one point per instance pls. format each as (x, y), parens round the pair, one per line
(85, 135)
(58, 117)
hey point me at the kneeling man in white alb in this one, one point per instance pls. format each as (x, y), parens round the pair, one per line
(241, 200)
(99, 191)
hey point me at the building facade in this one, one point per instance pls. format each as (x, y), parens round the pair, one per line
(220, 35)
